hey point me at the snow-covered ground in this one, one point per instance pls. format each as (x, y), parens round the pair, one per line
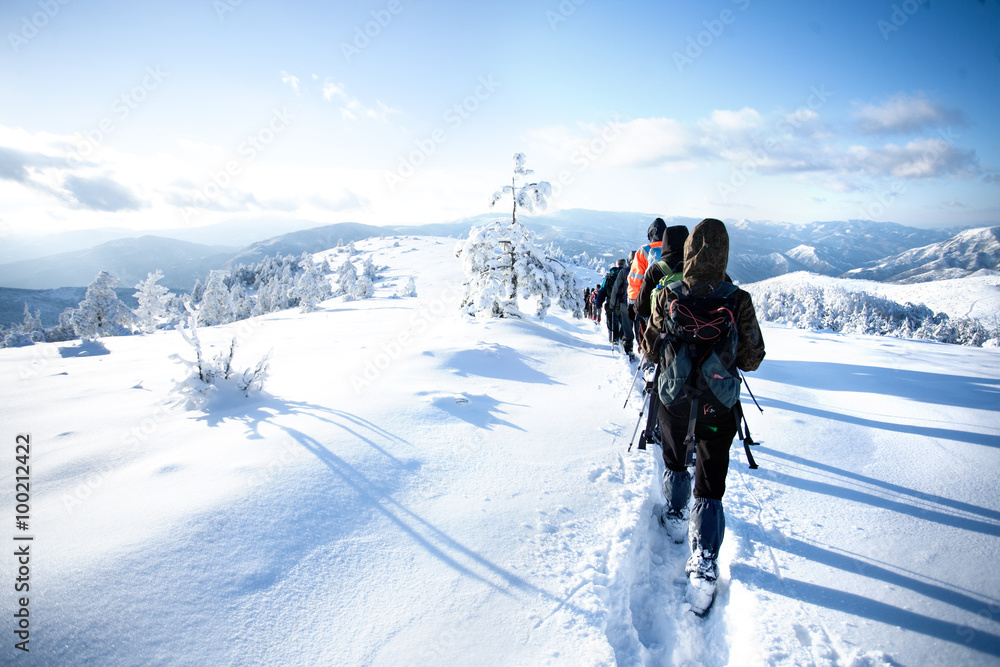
(419, 488)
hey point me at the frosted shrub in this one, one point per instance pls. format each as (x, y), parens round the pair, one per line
(210, 380)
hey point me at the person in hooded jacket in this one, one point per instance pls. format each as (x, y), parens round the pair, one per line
(620, 305)
(645, 256)
(671, 263)
(706, 254)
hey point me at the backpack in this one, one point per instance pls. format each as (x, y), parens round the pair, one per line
(698, 353)
(608, 285)
(668, 278)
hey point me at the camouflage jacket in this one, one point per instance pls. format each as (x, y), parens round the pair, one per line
(706, 254)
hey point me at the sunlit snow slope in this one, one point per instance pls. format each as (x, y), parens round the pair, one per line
(420, 488)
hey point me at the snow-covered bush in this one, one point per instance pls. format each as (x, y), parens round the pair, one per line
(210, 380)
(101, 313)
(409, 289)
(153, 302)
(28, 332)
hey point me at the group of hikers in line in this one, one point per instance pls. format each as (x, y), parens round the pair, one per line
(675, 302)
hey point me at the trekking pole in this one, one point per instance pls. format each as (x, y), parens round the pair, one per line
(747, 385)
(631, 387)
(641, 412)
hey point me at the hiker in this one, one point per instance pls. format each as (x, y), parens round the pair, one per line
(670, 266)
(644, 256)
(595, 310)
(604, 297)
(620, 305)
(586, 302)
(709, 429)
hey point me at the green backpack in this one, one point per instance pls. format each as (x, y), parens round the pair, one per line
(668, 278)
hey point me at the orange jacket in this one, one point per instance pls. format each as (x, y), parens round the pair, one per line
(644, 256)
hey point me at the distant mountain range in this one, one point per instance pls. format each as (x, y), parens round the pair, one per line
(886, 252)
(130, 260)
(962, 255)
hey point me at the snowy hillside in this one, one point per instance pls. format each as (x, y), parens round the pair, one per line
(416, 487)
(962, 310)
(967, 252)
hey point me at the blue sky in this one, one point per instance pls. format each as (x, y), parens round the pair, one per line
(158, 115)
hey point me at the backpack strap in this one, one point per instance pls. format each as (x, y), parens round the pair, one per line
(725, 289)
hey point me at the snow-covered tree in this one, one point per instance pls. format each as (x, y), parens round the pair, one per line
(363, 287)
(101, 313)
(528, 196)
(503, 264)
(215, 307)
(409, 289)
(153, 302)
(312, 286)
(347, 276)
(368, 269)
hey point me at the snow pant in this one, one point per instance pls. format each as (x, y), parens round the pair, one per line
(626, 326)
(638, 325)
(713, 440)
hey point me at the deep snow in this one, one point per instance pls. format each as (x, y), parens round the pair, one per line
(417, 487)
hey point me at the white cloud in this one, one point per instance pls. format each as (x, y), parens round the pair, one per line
(904, 113)
(291, 80)
(351, 107)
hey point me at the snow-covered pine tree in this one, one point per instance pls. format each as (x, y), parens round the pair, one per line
(363, 287)
(312, 286)
(215, 307)
(101, 313)
(153, 302)
(368, 269)
(503, 264)
(347, 276)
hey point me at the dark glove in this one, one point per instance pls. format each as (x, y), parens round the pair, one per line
(631, 311)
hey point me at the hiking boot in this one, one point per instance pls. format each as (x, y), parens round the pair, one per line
(702, 571)
(675, 522)
(702, 566)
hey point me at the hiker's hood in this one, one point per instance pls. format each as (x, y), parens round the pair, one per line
(673, 245)
(706, 254)
(655, 230)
